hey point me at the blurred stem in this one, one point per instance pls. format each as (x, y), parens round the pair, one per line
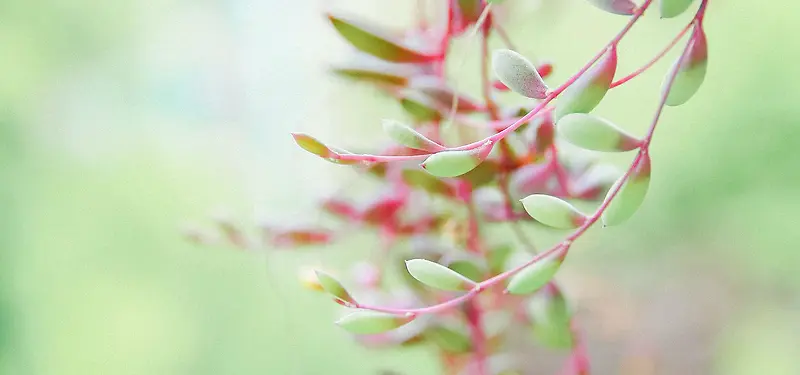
(477, 335)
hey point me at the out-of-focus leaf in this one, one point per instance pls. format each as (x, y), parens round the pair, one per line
(438, 90)
(595, 133)
(365, 322)
(376, 42)
(437, 276)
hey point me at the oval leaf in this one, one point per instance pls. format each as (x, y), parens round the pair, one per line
(365, 322)
(550, 316)
(422, 180)
(449, 339)
(368, 74)
(406, 136)
(691, 72)
(437, 276)
(552, 211)
(421, 108)
(377, 43)
(466, 264)
(622, 7)
(437, 89)
(456, 163)
(537, 275)
(312, 145)
(334, 288)
(587, 92)
(519, 74)
(595, 133)
(631, 194)
(673, 8)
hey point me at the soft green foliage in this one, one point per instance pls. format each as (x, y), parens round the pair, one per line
(312, 145)
(552, 211)
(630, 196)
(449, 339)
(456, 163)
(333, 287)
(437, 276)
(550, 315)
(673, 8)
(364, 322)
(423, 180)
(588, 91)
(421, 108)
(535, 276)
(595, 133)
(375, 42)
(405, 135)
(621, 7)
(691, 71)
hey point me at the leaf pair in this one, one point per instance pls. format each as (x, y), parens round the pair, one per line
(557, 213)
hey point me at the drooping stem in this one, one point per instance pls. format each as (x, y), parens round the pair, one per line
(527, 117)
(589, 222)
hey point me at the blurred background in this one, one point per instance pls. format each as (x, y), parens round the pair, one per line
(121, 121)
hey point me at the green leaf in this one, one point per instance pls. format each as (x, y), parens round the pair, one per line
(456, 163)
(439, 91)
(466, 264)
(374, 73)
(673, 8)
(421, 108)
(449, 338)
(366, 322)
(631, 195)
(485, 173)
(552, 211)
(437, 276)
(312, 145)
(588, 91)
(537, 275)
(334, 288)
(421, 179)
(691, 71)
(519, 74)
(550, 316)
(595, 133)
(621, 7)
(406, 136)
(376, 42)
(498, 256)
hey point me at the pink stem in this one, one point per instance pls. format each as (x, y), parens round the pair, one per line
(478, 336)
(558, 169)
(654, 60)
(567, 242)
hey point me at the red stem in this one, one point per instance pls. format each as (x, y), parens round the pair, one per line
(477, 336)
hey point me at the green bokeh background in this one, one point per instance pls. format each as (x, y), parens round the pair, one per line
(122, 120)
